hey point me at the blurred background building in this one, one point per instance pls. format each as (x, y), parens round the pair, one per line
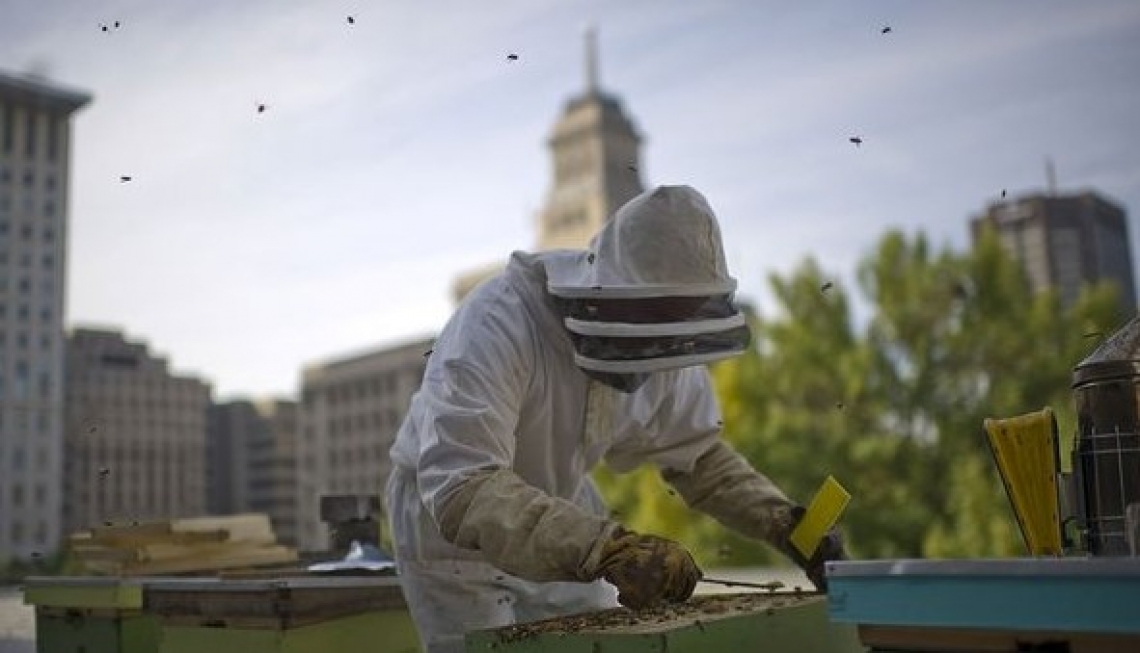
(135, 434)
(596, 154)
(251, 462)
(595, 151)
(349, 414)
(1065, 241)
(35, 165)
(230, 430)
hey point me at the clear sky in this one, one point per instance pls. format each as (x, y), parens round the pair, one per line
(405, 148)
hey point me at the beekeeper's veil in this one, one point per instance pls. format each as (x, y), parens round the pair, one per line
(653, 291)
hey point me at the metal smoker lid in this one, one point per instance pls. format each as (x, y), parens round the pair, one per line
(1118, 356)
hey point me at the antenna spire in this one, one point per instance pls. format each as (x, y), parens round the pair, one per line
(591, 60)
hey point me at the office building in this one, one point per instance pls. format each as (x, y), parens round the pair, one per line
(595, 151)
(1065, 242)
(252, 459)
(350, 411)
(35, 169)
(135, 434)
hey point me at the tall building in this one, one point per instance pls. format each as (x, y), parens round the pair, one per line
(35, 167)
(273, 468)
(596, 153)
(1065, 242)
(597, 164)
(252, 459)
(350, 412)
(231, 427)
(135, 434)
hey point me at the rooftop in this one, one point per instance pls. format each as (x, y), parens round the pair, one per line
(38, 91)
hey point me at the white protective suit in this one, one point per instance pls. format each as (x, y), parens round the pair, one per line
(495, 519)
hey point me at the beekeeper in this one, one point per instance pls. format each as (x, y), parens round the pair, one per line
(565, 359)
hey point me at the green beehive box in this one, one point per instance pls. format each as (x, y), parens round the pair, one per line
(771, 622)
(288, 615)
(94, 615)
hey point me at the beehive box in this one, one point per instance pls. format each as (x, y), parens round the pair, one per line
(772, 622)
(317, 614)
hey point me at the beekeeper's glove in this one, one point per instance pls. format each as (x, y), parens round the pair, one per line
(721, 483)
(830, 548)
(647, 569)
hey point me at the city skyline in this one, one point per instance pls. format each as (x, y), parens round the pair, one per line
(400, 150)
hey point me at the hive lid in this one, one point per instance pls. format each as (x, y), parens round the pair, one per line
(1118, 356)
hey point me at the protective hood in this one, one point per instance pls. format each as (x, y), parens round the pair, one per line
(653, 292)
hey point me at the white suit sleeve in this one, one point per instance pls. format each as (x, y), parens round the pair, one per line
(683, 440)
(473, 389)
(723, 485)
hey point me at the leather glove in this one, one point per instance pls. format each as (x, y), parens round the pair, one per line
(647, 569)
(830, 548)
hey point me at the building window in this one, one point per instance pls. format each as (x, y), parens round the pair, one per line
(29, 178)
(30, 135)
(20, 383)
(9, 128)
(54, 126)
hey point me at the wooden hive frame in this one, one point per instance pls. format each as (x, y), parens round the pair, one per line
(772, 622)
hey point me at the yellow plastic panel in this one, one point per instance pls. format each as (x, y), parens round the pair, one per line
(824, 510)
(1025, 449)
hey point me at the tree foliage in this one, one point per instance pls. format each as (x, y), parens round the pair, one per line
(891, 405)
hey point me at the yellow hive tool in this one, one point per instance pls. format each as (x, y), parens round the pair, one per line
(1025, 449)
(824, 510)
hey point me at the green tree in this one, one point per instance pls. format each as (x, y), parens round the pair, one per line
(806, 403)
(959, 338)
(892, 407)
